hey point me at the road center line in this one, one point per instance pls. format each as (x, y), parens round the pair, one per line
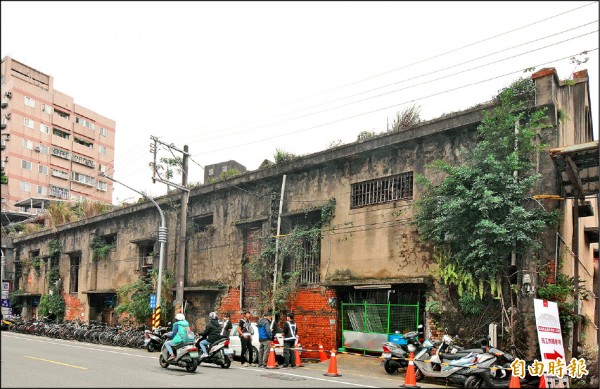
(82, 347)
(58, 363)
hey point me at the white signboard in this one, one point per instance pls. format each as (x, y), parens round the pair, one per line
(549, 333)
(548, 329)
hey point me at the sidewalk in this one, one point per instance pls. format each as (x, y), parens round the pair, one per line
(368, 366)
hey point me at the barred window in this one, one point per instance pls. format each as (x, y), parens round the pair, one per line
(382, 190)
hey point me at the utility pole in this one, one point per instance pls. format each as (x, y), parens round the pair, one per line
(277, 243)
(181, 247)
(180, 260)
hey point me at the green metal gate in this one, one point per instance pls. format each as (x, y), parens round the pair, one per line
(367, 326)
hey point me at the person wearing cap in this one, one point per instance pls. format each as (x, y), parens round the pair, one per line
(211, 333)
(265, 336)
(290, 336)
(177, 336)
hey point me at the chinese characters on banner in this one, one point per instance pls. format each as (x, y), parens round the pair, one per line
(553, 366)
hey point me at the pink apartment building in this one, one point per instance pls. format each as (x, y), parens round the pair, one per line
(52, 148)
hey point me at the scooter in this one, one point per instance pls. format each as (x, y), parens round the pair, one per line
(395, 353)
(492, 372)
(186, 356)
(153, 340)
(218, 353)
(441, 364)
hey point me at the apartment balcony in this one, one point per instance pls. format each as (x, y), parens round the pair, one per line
(62, 122)
(84, 150)
(82, 130)
(61, 142)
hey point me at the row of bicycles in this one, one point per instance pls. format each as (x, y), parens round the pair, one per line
(94, 332)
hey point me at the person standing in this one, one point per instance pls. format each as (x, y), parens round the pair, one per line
(265, 336)
(290, 336)
(226, 326)
(245, 333)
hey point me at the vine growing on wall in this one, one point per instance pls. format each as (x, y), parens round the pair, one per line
(304, 240)
(134, 298)
(100, 248)
(485, 199)
(53, 304)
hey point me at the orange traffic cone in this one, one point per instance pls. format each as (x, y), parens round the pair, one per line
(332, 371)
(515, 382)
(271, 364)
(322, 355)
(542, 382)
(298, 360)
(410, 381)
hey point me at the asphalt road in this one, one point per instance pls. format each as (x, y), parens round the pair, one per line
(32, 361)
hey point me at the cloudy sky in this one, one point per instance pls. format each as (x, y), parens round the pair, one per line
(239, 80)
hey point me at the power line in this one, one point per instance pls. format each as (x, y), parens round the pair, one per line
(403, 81)
(390, 106)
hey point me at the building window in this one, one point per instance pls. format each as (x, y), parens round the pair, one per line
(57, 191)
(61, 134)
(201, 223)
(28, 123)
(44, 128)
(74, 274)
(306, 259)
(47, 109)
(102, 168)
(102, 186)
(42, 190)
(103, 131)
(62, 114)
(83, 161)
(223, 169)
(43, 169)
(382, 190)
(102, 150)
(25, 186)
(27, 144)
(26, 164)
(29, 102)
(43, 149)
(60, 174)
(83, 179)
(61, 153)
(84, 122)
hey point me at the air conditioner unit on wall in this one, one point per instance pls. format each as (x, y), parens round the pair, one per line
(38, 149)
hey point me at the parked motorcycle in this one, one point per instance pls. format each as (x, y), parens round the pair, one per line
(153, 340)
(186, 356)
(395, 353)
(218, 353)
(491, 372)
(450, 362)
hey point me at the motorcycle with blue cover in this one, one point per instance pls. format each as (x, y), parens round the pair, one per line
(395, 352)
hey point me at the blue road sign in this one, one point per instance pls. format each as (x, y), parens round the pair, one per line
(152, 301)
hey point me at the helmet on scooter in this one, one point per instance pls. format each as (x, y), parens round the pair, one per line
(180, 316)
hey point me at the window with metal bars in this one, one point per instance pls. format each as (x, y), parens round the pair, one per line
(382, 190)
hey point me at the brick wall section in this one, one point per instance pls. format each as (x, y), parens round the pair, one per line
(231, 304)
(74, 307)
(313, 315)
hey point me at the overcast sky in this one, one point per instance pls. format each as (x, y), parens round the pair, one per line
(238, 80)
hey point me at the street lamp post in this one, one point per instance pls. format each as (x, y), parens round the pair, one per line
(162, 237)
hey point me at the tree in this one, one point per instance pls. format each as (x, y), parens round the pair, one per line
(486, 198)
